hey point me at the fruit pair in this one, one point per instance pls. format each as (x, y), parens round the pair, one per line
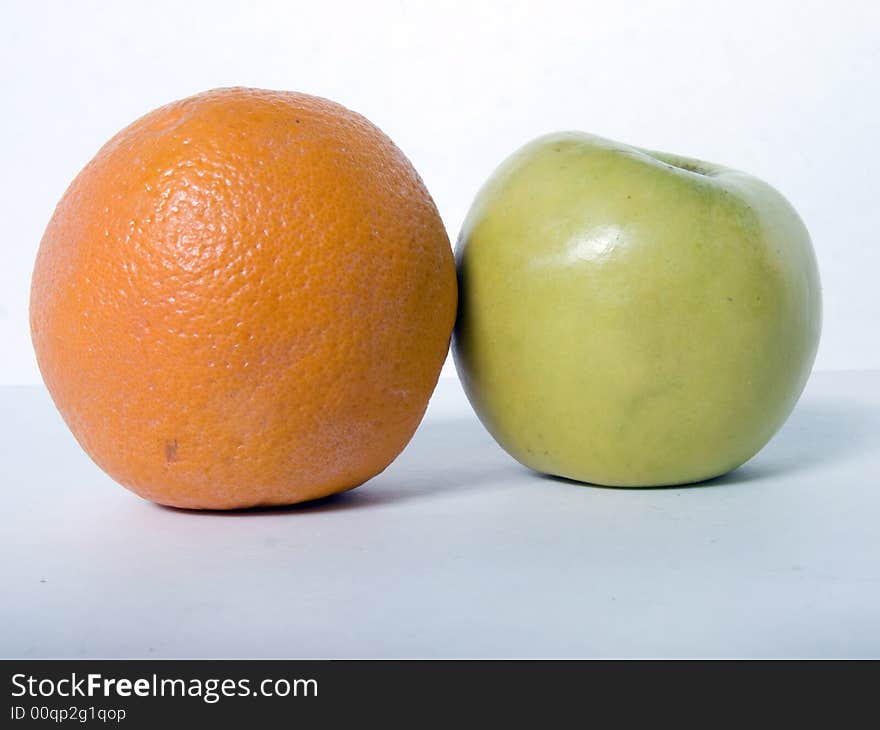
(246, 298)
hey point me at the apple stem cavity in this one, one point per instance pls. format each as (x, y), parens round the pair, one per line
(698, 167)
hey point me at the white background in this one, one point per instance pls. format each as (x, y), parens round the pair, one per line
(789, 91)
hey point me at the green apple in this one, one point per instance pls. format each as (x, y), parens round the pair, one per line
(632, 318)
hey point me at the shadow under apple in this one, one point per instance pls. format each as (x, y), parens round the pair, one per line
(450, 455)
(819, 432)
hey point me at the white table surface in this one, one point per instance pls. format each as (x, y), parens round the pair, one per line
(455, 551)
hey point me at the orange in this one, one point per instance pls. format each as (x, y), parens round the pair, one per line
(244, 299)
